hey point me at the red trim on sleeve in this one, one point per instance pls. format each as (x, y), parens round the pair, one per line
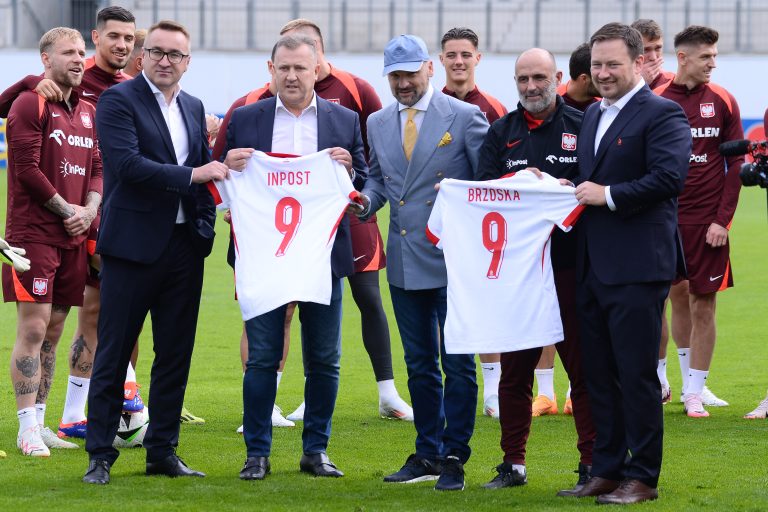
(336, 226)
(508, 175)
(255, 95)
(40, 107)
(431, 236)
(572, 217)
(494, 103)
(723, 94)
(348, 81)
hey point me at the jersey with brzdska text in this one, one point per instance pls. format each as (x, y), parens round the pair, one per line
(495, 237)
(491, 108)
(710, 193)
(518, 141)
(285, 212)
(51, 149)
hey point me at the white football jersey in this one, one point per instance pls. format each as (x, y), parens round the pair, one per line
(495, 236)
(285, 212)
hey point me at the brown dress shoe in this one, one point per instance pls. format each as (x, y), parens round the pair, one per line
(630, 491)
(595, 486)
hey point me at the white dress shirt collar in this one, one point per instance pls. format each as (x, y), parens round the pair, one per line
(312, 105)
(157, 91)
(622, 102)
(422, 104)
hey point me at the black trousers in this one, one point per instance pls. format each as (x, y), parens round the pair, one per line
(620, 333)
(168, 289)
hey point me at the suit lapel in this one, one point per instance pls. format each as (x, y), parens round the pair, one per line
(153, 109)
(587, 142)
(391, 144)
(264, 124)
(185, 106)
(630, 110)
(326, 128)
(437, 121)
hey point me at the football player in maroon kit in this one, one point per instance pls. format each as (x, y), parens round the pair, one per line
(356, 94)
(54, 191)
(113, 37)
(459, 56)
(706, 205)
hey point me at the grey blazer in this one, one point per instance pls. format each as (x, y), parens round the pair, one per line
(447, 147)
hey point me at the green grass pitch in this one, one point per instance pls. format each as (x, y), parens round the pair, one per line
(716, 462)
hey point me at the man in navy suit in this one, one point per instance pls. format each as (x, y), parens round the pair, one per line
(297, 122)
(633, 159)
(156, 229)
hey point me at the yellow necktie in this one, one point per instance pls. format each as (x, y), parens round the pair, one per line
(411, 133)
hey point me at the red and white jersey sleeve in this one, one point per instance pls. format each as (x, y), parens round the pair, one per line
(285, 212)
(495, 236)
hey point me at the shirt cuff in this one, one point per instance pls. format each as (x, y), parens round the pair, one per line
(609, 199)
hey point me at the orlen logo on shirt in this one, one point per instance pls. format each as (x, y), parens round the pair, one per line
(68, 168)
(562, 159)
(707, 109)
(73, 140)
(568, 142)
(709, 131)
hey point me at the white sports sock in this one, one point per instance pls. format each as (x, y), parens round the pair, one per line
(27, 418)
(519, 467)
(130, 374)
(684, 357)
(279, 376)
(661, 371)
(491, 376)
(77, 396)
(568, 393)
(696, 381)
(387, 390)
(545, 379)
(40, 413)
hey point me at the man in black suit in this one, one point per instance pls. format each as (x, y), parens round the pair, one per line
(633, 159)
(297, 122)
(156, 229)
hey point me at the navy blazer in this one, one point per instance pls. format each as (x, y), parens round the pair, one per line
(644, 158)
(251, 127)
(143, 183)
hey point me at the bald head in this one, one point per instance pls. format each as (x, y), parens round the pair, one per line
(537, 78)
(538, 57)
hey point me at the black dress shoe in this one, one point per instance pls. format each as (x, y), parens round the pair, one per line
(98, 472)
(171, 466)
(255, 468)
(319, 465)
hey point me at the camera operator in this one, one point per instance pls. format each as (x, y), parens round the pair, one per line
(706, 206)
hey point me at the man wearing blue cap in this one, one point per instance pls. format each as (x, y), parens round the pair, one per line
(422, 138)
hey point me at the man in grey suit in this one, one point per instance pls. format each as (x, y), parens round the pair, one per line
(417, 141)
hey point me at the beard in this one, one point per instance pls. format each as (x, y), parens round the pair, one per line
(547, 97)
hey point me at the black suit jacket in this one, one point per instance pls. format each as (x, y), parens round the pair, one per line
(251, 127)
(143, 182)
(644, 158)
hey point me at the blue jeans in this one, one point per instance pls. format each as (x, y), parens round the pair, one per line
(444, 416)
(321, 346)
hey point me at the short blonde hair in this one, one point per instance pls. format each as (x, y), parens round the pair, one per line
(304, 23)
(52, 37)
(171, 26)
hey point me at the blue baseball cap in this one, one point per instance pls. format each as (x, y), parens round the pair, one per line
(404, 53)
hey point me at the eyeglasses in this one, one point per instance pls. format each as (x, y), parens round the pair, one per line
(174, 57)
